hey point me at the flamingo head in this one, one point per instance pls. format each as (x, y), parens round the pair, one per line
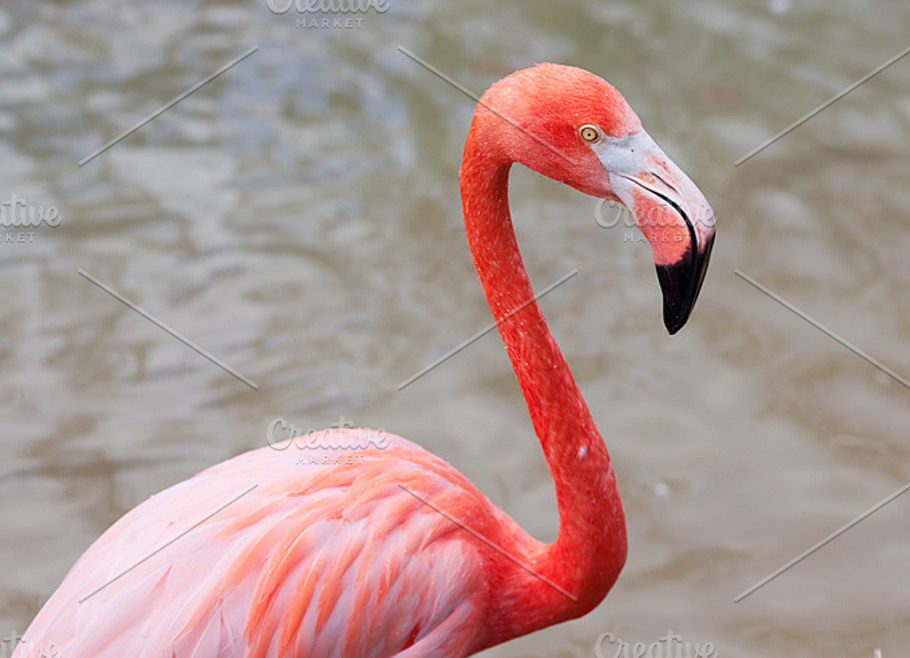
(573, 126)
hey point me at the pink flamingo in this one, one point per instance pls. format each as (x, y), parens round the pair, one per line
(397, 553)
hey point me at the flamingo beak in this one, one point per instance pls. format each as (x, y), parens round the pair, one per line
(672, 214)
(680, 284)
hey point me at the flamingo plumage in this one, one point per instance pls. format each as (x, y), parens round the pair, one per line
(396, 553)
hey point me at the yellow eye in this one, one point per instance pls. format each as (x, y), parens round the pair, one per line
(589, 133)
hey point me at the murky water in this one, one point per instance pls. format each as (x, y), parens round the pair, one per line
(298, 218)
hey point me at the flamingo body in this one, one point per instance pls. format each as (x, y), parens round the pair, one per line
(394, 553)
(268, 576)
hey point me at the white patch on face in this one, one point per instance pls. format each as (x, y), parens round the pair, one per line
(626, 156)
(637, 155)
(582, 451)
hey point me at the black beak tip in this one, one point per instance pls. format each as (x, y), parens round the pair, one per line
(676, 307)
(680, 283)
(674, 322)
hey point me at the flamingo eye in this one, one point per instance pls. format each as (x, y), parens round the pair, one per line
(589, 133)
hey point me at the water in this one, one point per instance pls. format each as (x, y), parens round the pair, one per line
(299, 219)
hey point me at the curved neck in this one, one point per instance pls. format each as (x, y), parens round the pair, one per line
(591, 545)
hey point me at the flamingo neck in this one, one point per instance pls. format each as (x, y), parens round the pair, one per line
(590, 549)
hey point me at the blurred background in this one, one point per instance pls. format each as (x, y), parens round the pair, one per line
(299, 218)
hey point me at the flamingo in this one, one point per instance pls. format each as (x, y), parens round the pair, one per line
(396, 553)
